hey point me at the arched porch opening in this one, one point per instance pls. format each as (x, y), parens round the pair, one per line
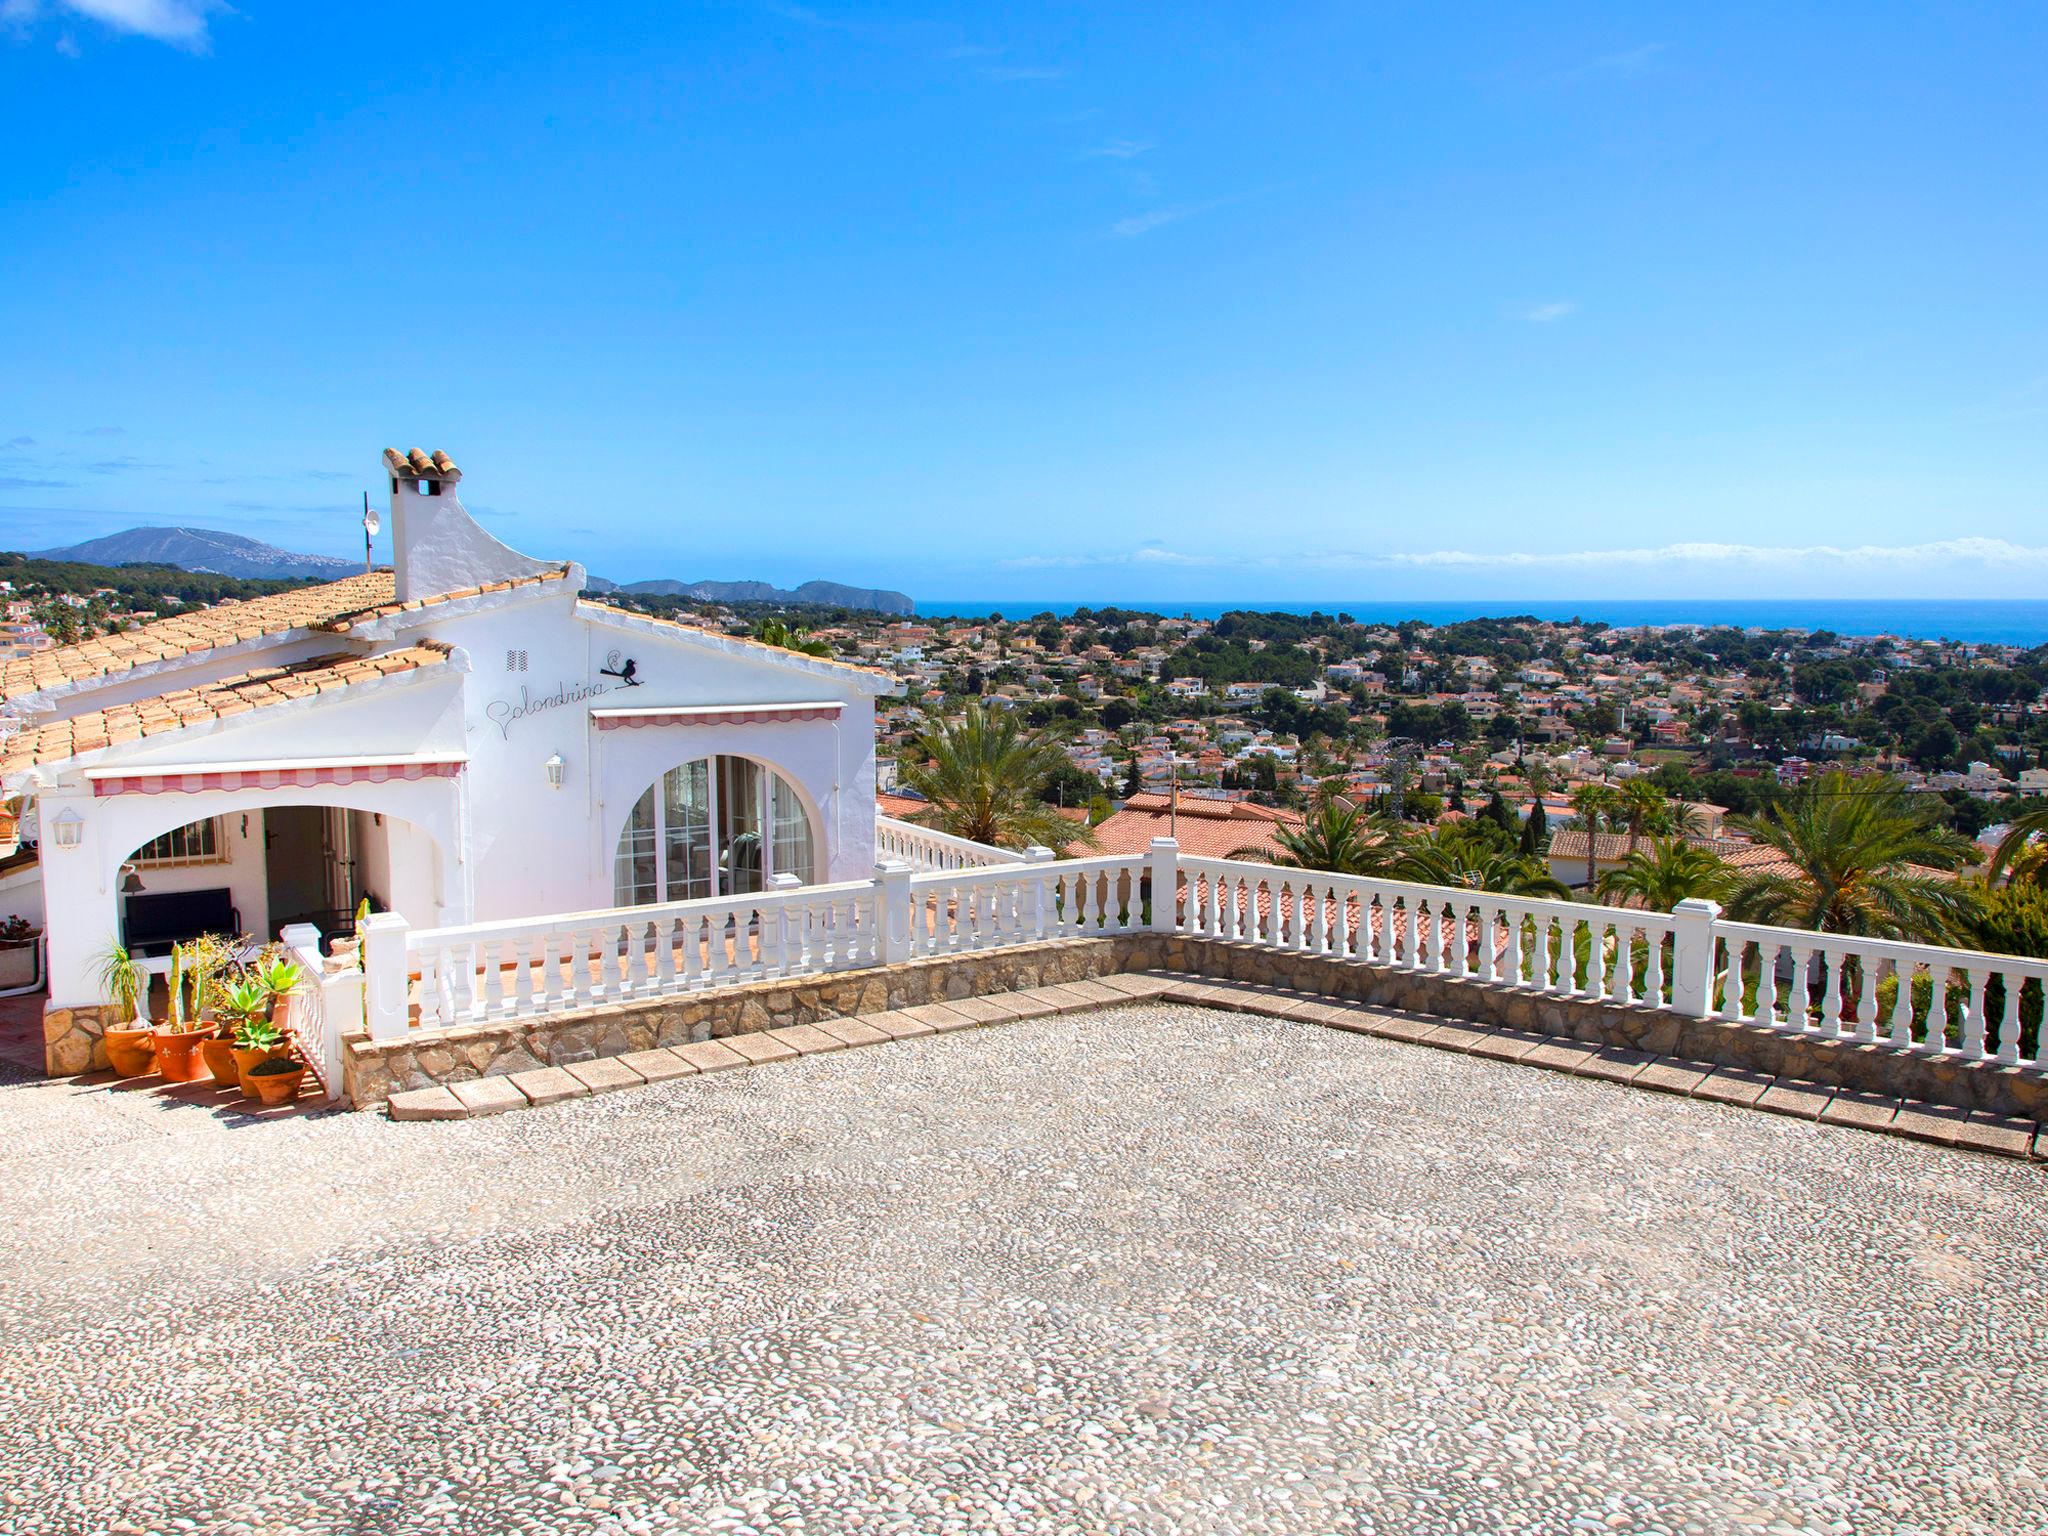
(253, 872)
(726, 824)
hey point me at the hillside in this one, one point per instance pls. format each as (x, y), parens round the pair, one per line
(814, 594)
(203, 549)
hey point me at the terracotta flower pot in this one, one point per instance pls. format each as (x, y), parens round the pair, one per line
(219, 1056)
(131, 1052)
(275, 1088)
(249, 1056)
(177, 1053)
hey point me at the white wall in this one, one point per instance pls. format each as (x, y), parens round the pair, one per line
(242, 872)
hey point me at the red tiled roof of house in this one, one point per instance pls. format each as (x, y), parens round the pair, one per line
(1206, 828)
(332, 607)
(62, 740)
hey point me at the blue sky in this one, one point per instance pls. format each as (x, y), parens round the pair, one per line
(1144, 302)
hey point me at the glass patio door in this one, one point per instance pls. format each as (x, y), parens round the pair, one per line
(719, 826)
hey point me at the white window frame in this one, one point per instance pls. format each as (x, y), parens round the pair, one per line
(720, 851)
(178, 850)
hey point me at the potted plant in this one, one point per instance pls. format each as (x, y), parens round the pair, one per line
(236, 1003)
(277, 1080)
(178, 1038)
(18, 952)
(280, 979)
(130, 1050)
(257, 1040)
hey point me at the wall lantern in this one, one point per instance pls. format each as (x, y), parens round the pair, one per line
(67, 830)
(557, 771)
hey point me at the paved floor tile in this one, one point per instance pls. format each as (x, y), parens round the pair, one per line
(983, 1010)
(1398, 1026)
(1561, 1055)
(658, 1066)
(2002, 1134)
(547, 1085)
(1938, 1123)
(897, 1026)
(1733, 1085)
(758, 1048)
(1095, 991)
(1066, 999)
(709, 1055)
(807, 1039)
(1671, 1074)
(427, 1104)
(607, 1074)
(1507, 1045)
(1801, 1101)
(1139, 984)
(1615, 1064)
(488, 1095)
(1865, 1111)
(943, 1018)
(1456, 1035)
(853, 1031)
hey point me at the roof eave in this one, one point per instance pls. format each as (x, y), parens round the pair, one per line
(865, 680)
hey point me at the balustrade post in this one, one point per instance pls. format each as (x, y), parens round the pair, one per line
(1162, 871)
(382, 937)
(1037, 914)
(1692, 958)
(892, 904)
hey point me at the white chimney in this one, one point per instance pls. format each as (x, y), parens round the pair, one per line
(436, 546)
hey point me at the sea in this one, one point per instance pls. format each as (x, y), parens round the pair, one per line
(1990, 621)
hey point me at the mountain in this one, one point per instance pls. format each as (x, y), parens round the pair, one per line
(202, 549)
(816, 594)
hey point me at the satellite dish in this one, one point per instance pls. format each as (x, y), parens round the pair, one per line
(371, 523)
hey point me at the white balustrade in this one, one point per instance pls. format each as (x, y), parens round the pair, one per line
(1691, 961)
(924, 848)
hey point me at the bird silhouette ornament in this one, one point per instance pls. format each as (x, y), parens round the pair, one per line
(627, 672)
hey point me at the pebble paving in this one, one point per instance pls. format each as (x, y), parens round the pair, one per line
(1156, 1269)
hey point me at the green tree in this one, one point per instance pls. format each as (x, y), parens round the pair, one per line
(1639, 807)
(1592, 805)
(777, 632)
(1335, 838)
(1866, 859)
(1668, 871)
(982, 774)
(1470, 860)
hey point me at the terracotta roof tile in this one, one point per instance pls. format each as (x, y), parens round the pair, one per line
(719, 634)
(1210, 829)
(187, 633)
(63, 740)
(342, 623)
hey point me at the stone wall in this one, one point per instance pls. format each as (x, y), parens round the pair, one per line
(72, 1039)
(374, 1070)
(1871, 1068)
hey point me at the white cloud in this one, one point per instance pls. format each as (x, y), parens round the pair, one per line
(182, 23)
(1152, 553)
(1547, 313)
(1157, 218)
(1119, 149)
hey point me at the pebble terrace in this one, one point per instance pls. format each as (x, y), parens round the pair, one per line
(1156, 1269)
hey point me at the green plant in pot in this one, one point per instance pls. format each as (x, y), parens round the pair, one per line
(235, 1003)
(178, 1037)
(280, 979)
(257, 1040)
(131, 1049)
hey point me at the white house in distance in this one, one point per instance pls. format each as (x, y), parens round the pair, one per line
(461, 738)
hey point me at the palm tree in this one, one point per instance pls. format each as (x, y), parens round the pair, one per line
(982, 774)
(1669, 871)
(1467, 862)
(2018, 836)
(1866, 859)
(1593, 804)
(1337, 838)
(1639, 807)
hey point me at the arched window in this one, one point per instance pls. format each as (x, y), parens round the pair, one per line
(721, 826)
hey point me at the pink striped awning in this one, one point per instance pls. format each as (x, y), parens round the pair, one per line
(714, 714)
(199, 780)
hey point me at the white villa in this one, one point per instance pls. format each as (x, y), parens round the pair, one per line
(459, 739)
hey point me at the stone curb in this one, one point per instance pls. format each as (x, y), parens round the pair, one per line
(1978, 1131)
